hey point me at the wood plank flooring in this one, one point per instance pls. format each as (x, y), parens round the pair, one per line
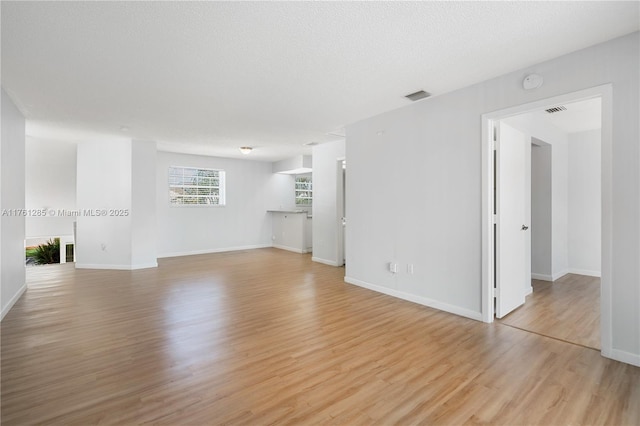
(567, 309)
(269, 337)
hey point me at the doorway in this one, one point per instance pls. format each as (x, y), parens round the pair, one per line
(564, 216)
(491, 257)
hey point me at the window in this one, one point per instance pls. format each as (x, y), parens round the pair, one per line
(304, 191)
(189, 186)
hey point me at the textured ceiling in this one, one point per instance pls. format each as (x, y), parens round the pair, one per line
(209, 77)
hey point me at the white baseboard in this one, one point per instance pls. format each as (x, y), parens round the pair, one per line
(584, 272)
(418, 299)
(529, 290)
(144, 266)
(13, 301)
(561, 274)
(116, 267)
(293, 249)
(325, 261)
(208, 251)
(541, 277)
(623, 356)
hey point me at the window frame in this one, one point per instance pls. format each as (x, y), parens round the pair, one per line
(203, 191)
(309, 190)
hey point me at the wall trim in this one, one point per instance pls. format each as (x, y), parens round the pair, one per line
(325, 261)
(293, 249)
(441, 306)
(541, 277)
(13, 301)
(559, 275)
(529, 290)
(116, 267)
(584, 272)
(144, 265)
(217, 250)
(622, 356)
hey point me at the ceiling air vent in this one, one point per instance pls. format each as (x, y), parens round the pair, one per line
(556, 109)
(421, 94)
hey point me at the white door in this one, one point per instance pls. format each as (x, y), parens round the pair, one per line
(511, 219)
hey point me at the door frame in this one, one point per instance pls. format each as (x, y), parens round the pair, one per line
(605, 93)
(340, 206)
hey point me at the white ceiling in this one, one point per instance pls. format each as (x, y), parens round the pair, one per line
(209, 77)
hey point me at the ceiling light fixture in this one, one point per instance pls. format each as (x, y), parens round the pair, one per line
(246, 150)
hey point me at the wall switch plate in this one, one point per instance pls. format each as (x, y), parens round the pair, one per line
(410, 268)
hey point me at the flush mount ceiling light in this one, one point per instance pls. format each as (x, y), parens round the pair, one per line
(246, 150)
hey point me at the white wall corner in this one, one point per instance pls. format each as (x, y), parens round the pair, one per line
(559, 275)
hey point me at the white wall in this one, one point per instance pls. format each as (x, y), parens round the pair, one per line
(116, 184)
(104, 183)
(12, 188)
(541, 219)
(251, 190)
(584, 206)
(325, 208)
(143, 204)
(50, 181)
(414, 193)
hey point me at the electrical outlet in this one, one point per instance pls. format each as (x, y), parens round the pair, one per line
(410, 268)
(393, 267)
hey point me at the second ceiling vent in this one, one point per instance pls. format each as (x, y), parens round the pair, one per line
(556, 109)
(421, 94)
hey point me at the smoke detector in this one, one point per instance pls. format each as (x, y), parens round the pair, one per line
(532, 81)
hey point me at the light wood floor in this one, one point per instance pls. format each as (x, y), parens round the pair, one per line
(267, 336)
(567, 309)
